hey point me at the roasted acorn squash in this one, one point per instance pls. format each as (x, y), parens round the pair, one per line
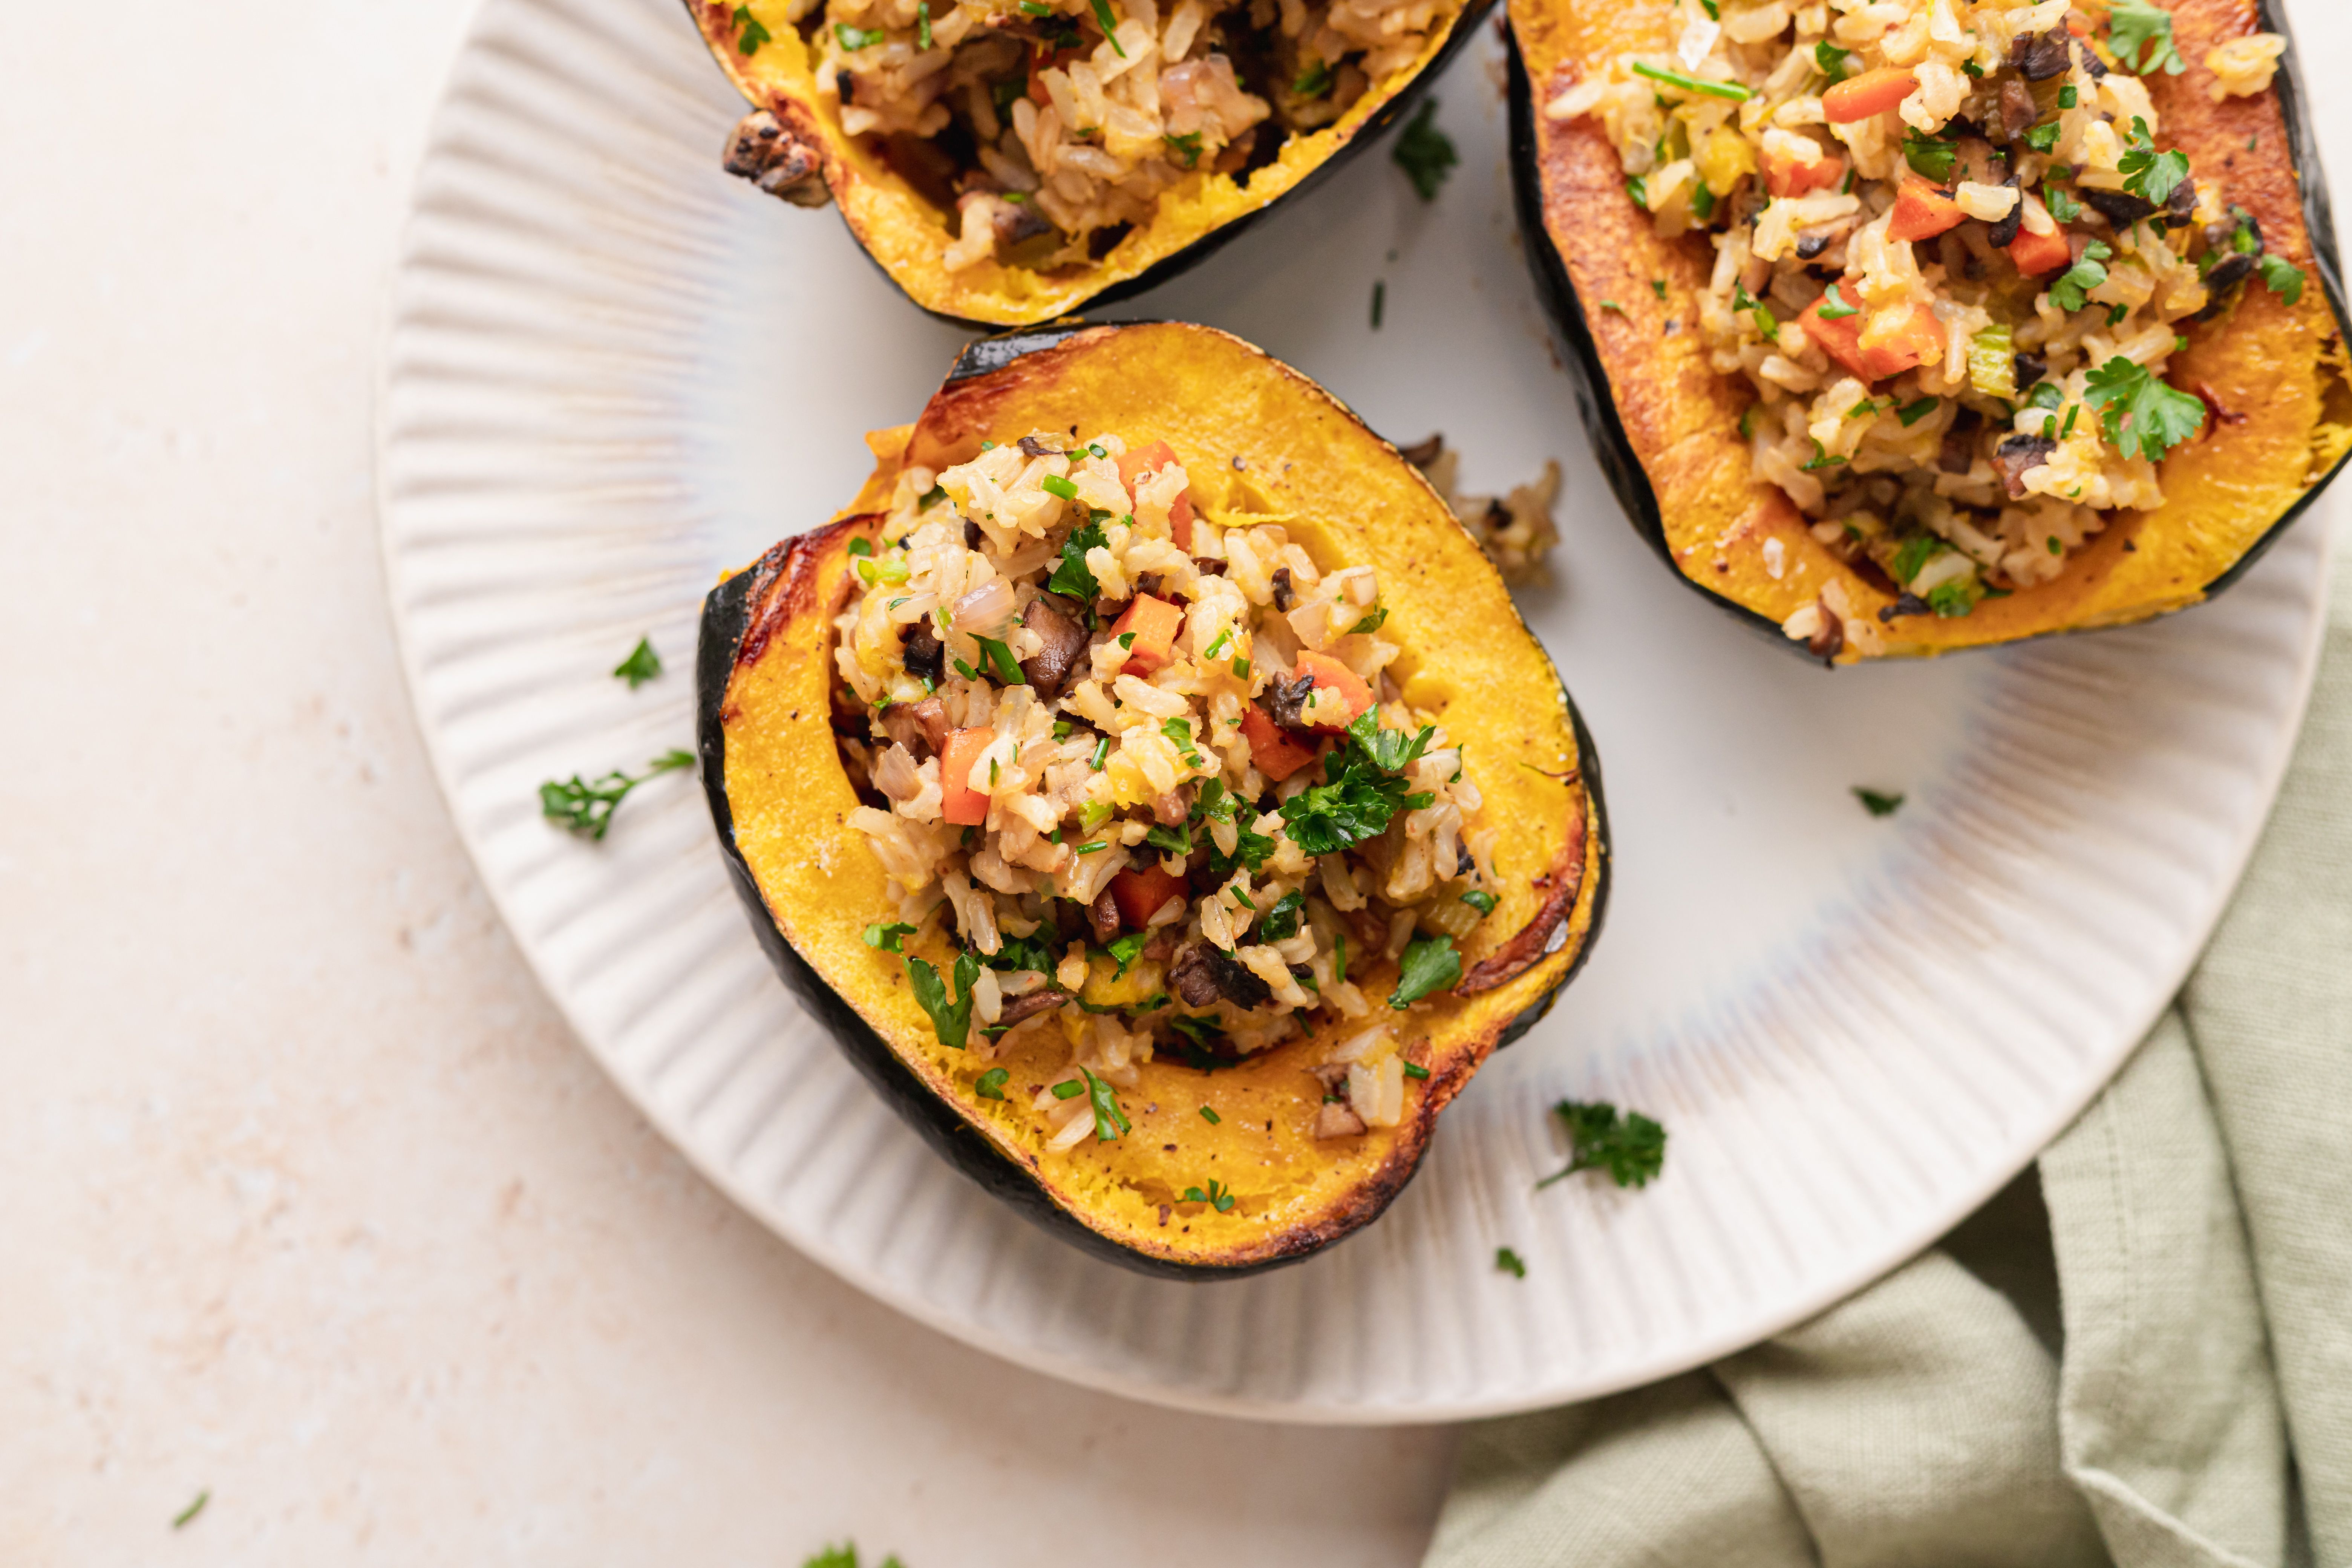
(1259, 439)
(898, 193)
(1666, 426)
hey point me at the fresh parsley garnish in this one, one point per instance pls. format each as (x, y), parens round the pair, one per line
(1124, 949)
(2063, 207)
(1068, 1089)
(1429, 964)
(1877, 803)
(750, 35)
(642, 665)
(856, 38)
(1930, 156)
(1179, 731)
(890, 938)
(1176, 839)
(950, 1019)
(1251, 851)
(1833, 61)
(1833, 306)
(585, 806)
(1109, 1119)
(2141, 413)
(1220, 1198)
(1508, 1262)
(1186, 146)
(1313, 83)
(2283, 277)
(1073, 576)
(2071, 292)
(1631, 1148)
(992, 1084)
(1370, 623)
(1480, 900)
(1363, 791)
(2147, 173)
(1280, 922)
(2043, 137)
(1424, 153)
(2141, 35)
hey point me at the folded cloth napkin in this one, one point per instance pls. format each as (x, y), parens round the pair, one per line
(2139, 1353)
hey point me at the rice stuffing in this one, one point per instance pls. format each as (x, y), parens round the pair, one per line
(1046, 129)
(1150, 778)
(1954, 256)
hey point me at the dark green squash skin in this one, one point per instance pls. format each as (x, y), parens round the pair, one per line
(1465, 27)
(724, 616)
(1597, 404)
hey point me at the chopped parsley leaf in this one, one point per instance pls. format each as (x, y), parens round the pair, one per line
(1631, 1148)
(2063, 207)
(890, 938)
(2147, 173)
(1508, 1262)
(1658, 287)
(1833, 61)
(2283, 277)
(1362, 793)
(1313, 83)
(1068, 1089)
(1218, 1197)
(2071, 291)
(2043, 137)
(1123, 950)
(1370, 623)
(1877, 803)
(585, 806)
(1424, 153)
(1429, 964)
(643, 664)
(2142, 415)
(950, 1018)
(1187, 147)
(992, 1084)
(751, 36)
(1930, 156)
(1074, 576)
(1835, 308)
(1280, 922)
(2141, 35)
(1480, 900)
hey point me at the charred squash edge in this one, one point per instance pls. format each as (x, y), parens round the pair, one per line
(1596, 399)
(738, 618)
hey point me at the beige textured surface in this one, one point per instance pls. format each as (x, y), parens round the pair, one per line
(306, 1196)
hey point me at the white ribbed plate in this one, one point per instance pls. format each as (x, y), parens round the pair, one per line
(612, 372)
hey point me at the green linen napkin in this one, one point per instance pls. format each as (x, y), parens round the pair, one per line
(2139, 1353)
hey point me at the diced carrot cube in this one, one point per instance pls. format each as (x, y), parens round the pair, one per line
(1840, 336)
(1923, 211)
(1900, 337)
(1153, 622)
(958, 802)
(2036, 254)
(1329, 674)
(1872, 93)
(1277, 756)
(1141, 460)
(1140, 893)
(1787, 176)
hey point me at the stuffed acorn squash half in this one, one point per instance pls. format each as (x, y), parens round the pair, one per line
(1151, 786)
(1008, 163)
(1920, 325)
